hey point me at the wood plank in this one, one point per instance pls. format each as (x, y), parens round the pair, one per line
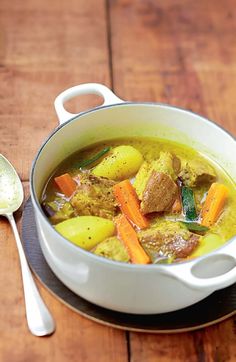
(182, 53)
(45, 47)
(215, 343)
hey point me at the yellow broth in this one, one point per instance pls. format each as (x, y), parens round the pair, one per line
(224, 228)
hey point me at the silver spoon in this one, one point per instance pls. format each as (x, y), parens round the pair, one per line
(40, 321)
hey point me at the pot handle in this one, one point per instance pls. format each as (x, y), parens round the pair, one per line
(194, 274)
(87, 88)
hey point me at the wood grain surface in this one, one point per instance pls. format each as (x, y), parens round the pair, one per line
(178, 51)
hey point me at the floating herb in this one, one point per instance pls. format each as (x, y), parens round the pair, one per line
(188, 203)
(96, 157)
(194, 226)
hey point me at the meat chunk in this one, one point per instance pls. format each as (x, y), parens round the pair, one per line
(168, 240)
(176, 163)
(180, 247)
(166, 163)
(58, 210)
(94, 196)
(197, 172)
(112, 248)
(159, 194)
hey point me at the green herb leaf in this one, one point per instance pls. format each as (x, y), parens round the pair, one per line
(96, 157)
(188, 203)
(194, 226)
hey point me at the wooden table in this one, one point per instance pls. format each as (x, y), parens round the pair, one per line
(175, 51)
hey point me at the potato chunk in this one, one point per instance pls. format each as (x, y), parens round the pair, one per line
(121, 163)
(86, 231)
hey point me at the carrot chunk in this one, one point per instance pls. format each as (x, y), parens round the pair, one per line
(66, 184)
(128, 201)
(214, 204)
(130, 239)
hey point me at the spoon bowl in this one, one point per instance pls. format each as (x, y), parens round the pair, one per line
(40, 321)
(11, 190)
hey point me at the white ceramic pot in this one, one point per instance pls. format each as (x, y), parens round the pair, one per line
(125, 287)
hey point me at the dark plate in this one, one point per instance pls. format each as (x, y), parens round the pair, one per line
(217, 307)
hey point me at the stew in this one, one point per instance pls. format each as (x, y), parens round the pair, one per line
(141, 200)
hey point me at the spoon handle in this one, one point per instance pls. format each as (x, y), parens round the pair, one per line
(39, 319)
